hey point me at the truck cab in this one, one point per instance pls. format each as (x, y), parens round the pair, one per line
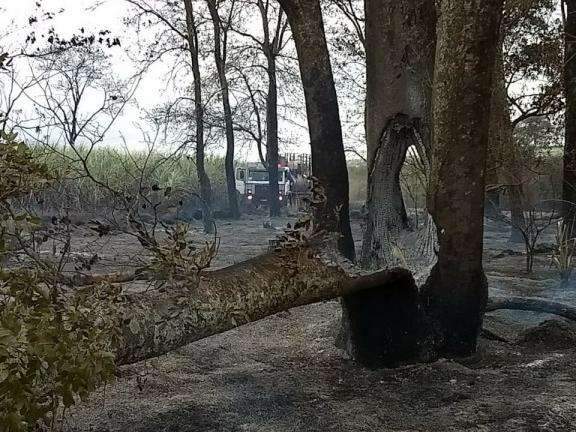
(252, 184)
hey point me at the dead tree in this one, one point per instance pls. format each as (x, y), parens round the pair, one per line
(220, 56)
(400, 44)
(328, 157)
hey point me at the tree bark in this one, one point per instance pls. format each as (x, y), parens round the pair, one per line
(203, 179)
(569, 170)
(455, 294)
(220, 60)
(159, 322)
(328, 157)
(272, 156)
(400, 46)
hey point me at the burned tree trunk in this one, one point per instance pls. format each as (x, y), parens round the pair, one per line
(569, 170)
(400, 45)
(328, 157)
(454, 296)
(220, 60)
(159, 322)
(203, 179)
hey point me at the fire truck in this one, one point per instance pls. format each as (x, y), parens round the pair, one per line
(252, 180)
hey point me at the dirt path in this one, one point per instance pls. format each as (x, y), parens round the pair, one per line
(283, 373)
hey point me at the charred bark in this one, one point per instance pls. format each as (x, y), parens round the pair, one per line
(220, 60)
(400, 45)
(455, 294)
(328, 157)
(203, 179)
(569, 170)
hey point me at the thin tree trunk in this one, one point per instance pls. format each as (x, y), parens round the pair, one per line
(518, 221)
(220, 60)
(503, 149)
(272, 156)
(569, 170)
(493, 207)
(328, 158)
(455, 294)
(203, 179)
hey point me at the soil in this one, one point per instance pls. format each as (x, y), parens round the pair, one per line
(284, 373)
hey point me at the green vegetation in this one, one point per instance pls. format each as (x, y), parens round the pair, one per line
(54, 348)
(125, 172)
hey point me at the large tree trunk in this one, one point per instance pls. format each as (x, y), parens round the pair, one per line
(203, 179)
(272, 156)
(159, 322)
(328, 158)
(220, 60)
(455, 294)
(569, 171)
(400, 45)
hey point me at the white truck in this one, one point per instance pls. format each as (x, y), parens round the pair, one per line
(252, 180)
(252, 184)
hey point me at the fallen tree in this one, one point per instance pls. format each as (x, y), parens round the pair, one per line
(162, 320)
(186, 311)
(531, 304)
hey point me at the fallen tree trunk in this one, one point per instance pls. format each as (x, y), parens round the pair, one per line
(532, 304)
(161, 321)
(189, 309)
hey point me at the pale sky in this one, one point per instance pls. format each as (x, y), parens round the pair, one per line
(109, 14)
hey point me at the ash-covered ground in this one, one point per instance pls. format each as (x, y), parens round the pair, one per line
(284, 374)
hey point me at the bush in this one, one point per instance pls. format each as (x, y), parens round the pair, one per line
(55, 347)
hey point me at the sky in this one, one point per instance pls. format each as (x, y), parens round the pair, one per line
(94, 15)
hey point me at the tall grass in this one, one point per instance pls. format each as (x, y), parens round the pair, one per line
(80, 190)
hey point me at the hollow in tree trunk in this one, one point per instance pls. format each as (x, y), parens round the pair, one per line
(400, 45)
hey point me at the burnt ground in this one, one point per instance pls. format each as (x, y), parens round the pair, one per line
(284, 374)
